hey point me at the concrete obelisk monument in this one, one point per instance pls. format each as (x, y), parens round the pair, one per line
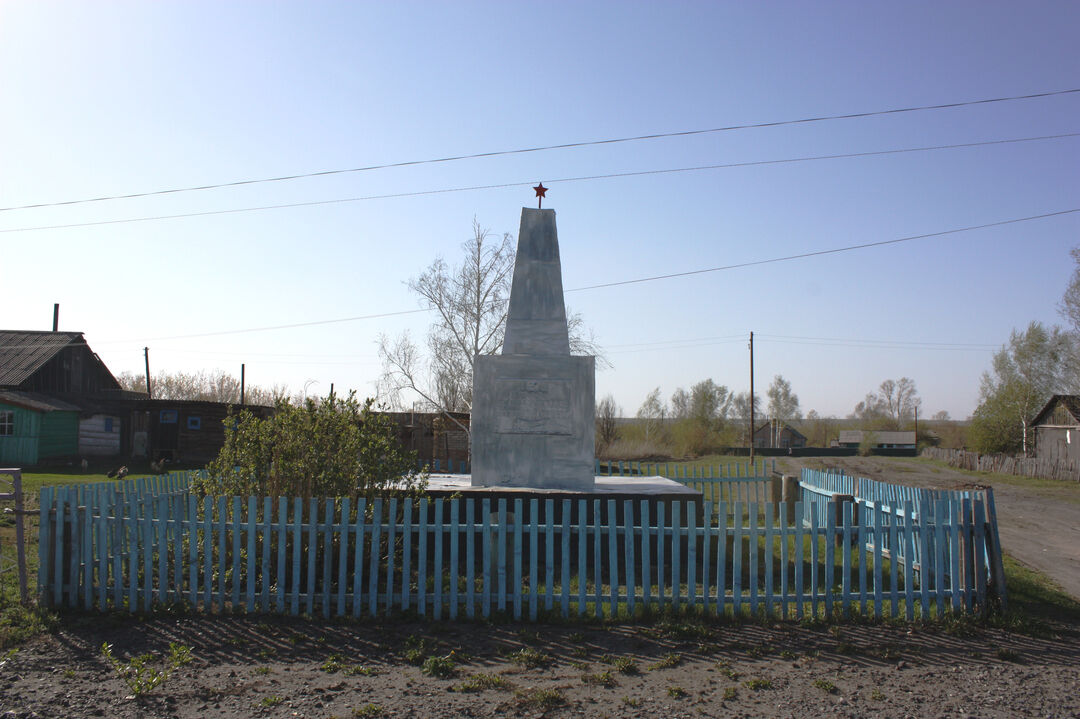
(533, 405)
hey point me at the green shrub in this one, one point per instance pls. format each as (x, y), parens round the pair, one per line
(334, 447)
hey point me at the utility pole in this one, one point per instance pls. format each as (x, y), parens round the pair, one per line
(751, 398)
(56, 317)
(146, 356)
(241, 383)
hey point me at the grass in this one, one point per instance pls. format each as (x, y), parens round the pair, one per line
(529, 658)
(599, 679)
(825, 685)
(480, 682)
(669, 660)
(543, 699)
(758, 684)
(439, 667)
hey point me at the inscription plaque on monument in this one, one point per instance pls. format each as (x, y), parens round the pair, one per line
(533, 405)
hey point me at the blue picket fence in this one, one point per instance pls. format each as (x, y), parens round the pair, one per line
(875, 503)
(142, 543)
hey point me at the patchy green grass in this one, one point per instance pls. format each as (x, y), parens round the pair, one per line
(825, 685)
(669, 660)
(480, 682)
(1034, 596)
(599, 679)
(529, 658)
(543, 699)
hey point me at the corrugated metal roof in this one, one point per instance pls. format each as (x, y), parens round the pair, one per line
(22, 353)
(35, 401)
(855, 436)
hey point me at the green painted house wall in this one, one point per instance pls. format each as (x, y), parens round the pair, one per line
(59, 434)
(38, 435)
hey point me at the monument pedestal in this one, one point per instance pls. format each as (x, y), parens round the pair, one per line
(532, 422)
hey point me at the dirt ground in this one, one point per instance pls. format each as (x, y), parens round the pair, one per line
(282, 667)
(1039, 520)
(296, 668)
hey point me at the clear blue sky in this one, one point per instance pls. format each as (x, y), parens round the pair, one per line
(122, 97)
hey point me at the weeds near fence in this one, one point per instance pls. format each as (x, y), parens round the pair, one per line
(137, 672)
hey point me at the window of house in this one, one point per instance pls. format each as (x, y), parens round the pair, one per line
(168, 416)
(194, 422)
(7, 423)
(108, 424)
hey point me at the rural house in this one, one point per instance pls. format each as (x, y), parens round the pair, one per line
(853, 439)
(57, 399)
(60, 403)
(1057, 428)
(778, 434)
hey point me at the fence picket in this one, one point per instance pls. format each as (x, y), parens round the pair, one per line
(145, 541)
(534, 516)
(439, 528)
(343, 552)
(628, 557)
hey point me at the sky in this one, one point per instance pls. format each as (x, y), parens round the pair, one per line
(115, 98)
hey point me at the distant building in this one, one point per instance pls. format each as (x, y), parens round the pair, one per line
(853, 439)
(59, 402)
(1057, 428)
(774, 434)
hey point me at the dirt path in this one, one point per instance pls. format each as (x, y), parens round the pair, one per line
(1039, 519)
(269, 667)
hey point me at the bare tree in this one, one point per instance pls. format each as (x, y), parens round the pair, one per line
(206, 385)
(783, 403)
(607, 414)
(652, 413)
(471, 301)
(894, 404)
(901, 400)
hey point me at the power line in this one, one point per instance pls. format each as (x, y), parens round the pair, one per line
(580, 178)
(817, 253)
(543, 148)
(634, 281)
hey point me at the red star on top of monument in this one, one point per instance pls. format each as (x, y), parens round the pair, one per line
(540, 194)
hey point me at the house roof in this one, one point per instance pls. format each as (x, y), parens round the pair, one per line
(1071, 402)
(855, 436)
(786, 426)
(22, 353)
(35, 401)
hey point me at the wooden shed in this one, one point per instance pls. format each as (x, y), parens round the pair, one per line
(1057, 428)
(35, 428)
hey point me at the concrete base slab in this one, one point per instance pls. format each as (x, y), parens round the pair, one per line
(603, 488)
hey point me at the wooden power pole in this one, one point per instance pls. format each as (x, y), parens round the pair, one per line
(146, 356)
(751, 398)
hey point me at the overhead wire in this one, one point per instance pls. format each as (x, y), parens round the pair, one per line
(818, 253)
(639, 280)
(580, 178)
(543, 148)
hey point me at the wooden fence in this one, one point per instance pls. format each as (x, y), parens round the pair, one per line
(1063, 469)
(119, 546)
(11, 479)
(873, 503)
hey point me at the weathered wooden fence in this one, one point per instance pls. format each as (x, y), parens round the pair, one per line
(11, 491)
(1063, 469)
(972, 558)
(136, 545)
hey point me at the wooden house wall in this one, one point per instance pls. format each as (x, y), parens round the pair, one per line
(97, 441)
(59, 434)
(74, 369)
(1057, 443)
(22, 447)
